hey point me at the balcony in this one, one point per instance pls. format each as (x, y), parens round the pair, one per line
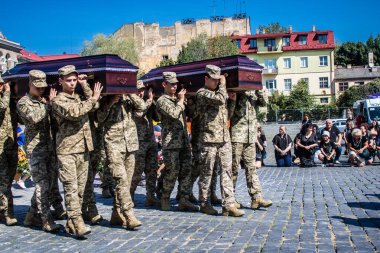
(271, 71)
(269, 50)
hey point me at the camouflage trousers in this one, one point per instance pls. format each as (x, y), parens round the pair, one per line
(44, 170)
(195, 172)
(246, 152)
(122, 166)
(210, 154)
(146, 161)
(8, 167)
(73, 171)
(177, 166)
(89, 199)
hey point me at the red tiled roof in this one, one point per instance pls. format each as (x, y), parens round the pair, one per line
(34, 57)
(311, 44)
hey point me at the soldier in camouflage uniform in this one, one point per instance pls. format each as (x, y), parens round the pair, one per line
(211, 107)
(175, 144)
(8, 154)
(146, 156)
(74, 142)
(33, 109)
(121, 143)
(243, 138)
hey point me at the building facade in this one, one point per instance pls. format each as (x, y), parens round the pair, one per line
(293, 56)
(156, 43)
(9, 52)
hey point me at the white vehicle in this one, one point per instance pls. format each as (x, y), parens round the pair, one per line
(368, 109)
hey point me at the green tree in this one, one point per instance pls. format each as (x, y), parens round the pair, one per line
(300, 98)
(277, 101)
(354, 93)
(221, 46)
(125, 48)
(351, 53)
(166, 62)
(275, 27)
(373, 44)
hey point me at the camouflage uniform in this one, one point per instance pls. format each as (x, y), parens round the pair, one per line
(146, 156)
(243, 138)
(121, 143)
(8, 153)
(211, 107)
(175, 146)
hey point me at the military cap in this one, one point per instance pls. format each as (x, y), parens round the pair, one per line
(66, 70)
(170, 77)
(38, 78)
(1, 80)
(213, 71)
(140, 85)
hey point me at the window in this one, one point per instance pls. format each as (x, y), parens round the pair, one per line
(324, 82)
(238, 44)
(269, 43)
(285, 41)
(304, 62)
(324, 100)
(322, 39)
(288, 84)
(270, 64)
(287, 63)
(305, 80)
(323, 61)
(343, 86)
(165, 57)
(271, 85)
(252, 43)
(359, 83)
(302, 39)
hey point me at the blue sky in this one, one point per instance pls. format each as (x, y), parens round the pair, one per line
(53, 27)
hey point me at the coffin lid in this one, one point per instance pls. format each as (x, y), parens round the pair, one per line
(198, 67)
(85, 64)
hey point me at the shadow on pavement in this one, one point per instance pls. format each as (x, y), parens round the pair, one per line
(362, 222)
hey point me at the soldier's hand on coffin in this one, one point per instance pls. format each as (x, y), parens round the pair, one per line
(150, 93)
(82, 79)
(52, 94)
(232, 96)
(97, 90)
(6, 87)
(181, 95)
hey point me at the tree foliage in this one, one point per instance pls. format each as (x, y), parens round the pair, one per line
(203, 47)
(125, 48)
(355, 93)
(274, 27)
(356, 53)
(166, 62)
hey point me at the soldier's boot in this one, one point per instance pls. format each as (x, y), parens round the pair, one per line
(193, 199)
(237, 205)
(215, 200)
(94, 217)
(106, 193)
(70, 229)
(9, 219)
(48, 225)
(151, 200)
(32, 219)
(59, 213)
(132, 221)
(260, 202)
(186, 205)
(165, 204)
(232, 211)
(208, 209)
(117, 218)
(80, 228)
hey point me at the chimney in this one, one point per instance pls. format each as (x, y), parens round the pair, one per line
(313, 28)
(264, 30)
(370, 60)
(290, 29)
(257, 31)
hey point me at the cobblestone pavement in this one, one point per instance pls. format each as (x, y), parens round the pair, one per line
(315, 210)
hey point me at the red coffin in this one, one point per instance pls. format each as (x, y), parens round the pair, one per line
(116, 75)
(242, 74)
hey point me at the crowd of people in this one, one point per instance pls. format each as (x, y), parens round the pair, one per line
(67, 134)
(313, 146)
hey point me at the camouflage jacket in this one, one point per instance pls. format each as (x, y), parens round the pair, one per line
(243, 121)
(173, 122)
(74, 132)
(213, 111)
(7, 126)
(35, 116)
(144, 122)
(120, 132)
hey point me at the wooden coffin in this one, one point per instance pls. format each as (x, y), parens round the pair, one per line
(116, 75)
(242, 74)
